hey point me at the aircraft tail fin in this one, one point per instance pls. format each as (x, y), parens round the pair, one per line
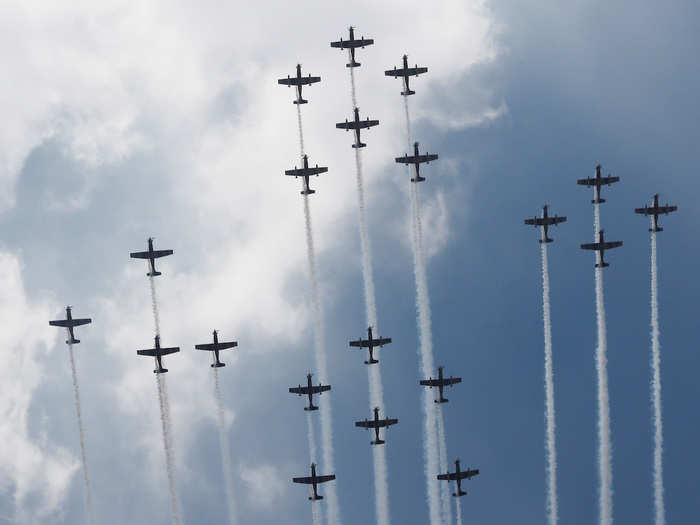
(218, 365)
(312, 407)
(308, 192)
(301, 101)
(417, 179)
(378, 442)
(153, 274)
(408, 92)
(359, 145)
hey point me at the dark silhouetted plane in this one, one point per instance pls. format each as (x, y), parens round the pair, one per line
(314, 480)
(151, 255)
(306, 172)
(299, 81)
(370, 343)
(600, 247)
(215, 347)
(458, 475)
(416, 159)
(309, 390)
(158, 352)
(656, 210)
(406, 72)
(351, 45)
(598, 181)
(545, 221)
(376, 424)
(357, 125)
(68, 323)
(441, 382)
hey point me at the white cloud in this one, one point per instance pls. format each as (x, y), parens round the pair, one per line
(265, 484)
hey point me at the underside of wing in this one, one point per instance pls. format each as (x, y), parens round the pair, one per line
(59, 322)
(299, 390)
(305, 480)
(320, 388)
(609, 179)
(80, 322)
(644, 211)
(324, 479)
(413, 71)
(361, 343)
(667, 209)
(310, 80)
(430, 382)
(364, 42)
(207, 346)
(450, 476)
(586, 182)
(140, 255)
(288, 81)
(612, 244)
(149, 351)
(383, 340)
(591, 246)
(557, 220)
(427, 158)
(365, 424)
(171, 350)
(405, 160)
(532, 222)
(453, 381)
(345, 125)
(368, 123)
(388, 422)
(161, 253)
(339, 43)
(317, 170)
(394, 73)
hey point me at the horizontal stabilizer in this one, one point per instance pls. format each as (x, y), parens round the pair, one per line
(308, 192)
(371, 362)
(546, 240)
(597, 201)
(300, 101)
(409, 92)
(442, 400)
(458, 494)
(311, 408)
(72, 341)
(378, 442)
(218, 365)
(154, 274)
(360, 145)
(353, 64)
(417, 179)
(315, 497)
(657, 229)
(160, 370)
(602, 265)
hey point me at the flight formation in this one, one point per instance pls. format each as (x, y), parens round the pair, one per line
(378, 423)
(599, 246)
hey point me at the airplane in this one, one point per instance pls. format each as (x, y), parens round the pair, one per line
(215, 347)
(352, 44)
(299, 81)
(306, 172)
(314, 480)
(600, 247)
(416, 159)
(376, 424)
(370, 343)
(151, 255)
(158, 352)
(545, 221)
(357, 125)
(656, 210)
(310, 390)
(69, 323)
(406, 72)
(598, 181)
(458, 475)
(441, 383)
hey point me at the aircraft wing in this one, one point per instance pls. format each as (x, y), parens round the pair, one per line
(383, 341)
(220, 346)
(586, 182)
(413, 159)
(644, 211)
(153, 352)
(532, 222)
(73, 322)
(453, 476)
(612, 244)
(367, 123)
(609, 179)
(301, 172)
(310, 80)
(450, 476)
(156, 254)
(667, 209)
(140, 255)
(430, 382)
(449, 381)
(64, 323)
(340, 44)
(308, 480)
(557, 220)
(299, 390)
(360, 343)
(320, 388)
(366, 424)
(288, 81)
(387, 422)
(591, 246)
(324, 479)
(350, 124)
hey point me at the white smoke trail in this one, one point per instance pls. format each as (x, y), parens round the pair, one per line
(315, 507)
(430, 445)
(656, 389)
(225, 450)
(442, 453)
(154, 304)
(552, 499)
(168, 447)
(301, 131)
(374, 378)
(604, 442)
(81, 430)
(458, 505)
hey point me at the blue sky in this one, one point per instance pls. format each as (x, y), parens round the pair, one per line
(124, 123)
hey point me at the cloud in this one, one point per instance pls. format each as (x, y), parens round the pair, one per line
(265, 484)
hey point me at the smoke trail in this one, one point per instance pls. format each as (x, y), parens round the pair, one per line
(442, 453)
(81, 430)
(430, 445)
(552, 500)
(225, 451)
(458, 504)
(604, 442)
(656, 389)
(301, 131)
(168, 447)
(376, 393)
(315, 508)
(154, 304)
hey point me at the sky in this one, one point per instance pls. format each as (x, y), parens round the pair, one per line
(126, 121)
